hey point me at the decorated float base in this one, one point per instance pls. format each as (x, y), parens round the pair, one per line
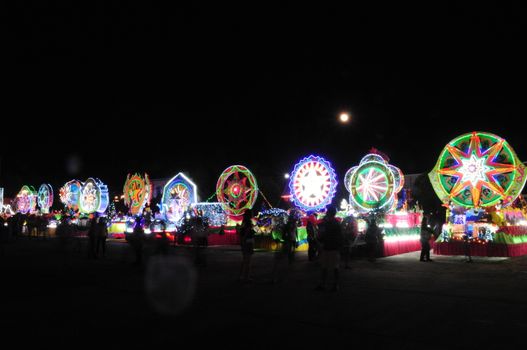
(509, 241)
(391, 248)
(401, 240)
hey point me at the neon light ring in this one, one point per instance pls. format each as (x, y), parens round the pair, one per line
(237, 189)
(312, 184)
(478, 169)
(26, 200)
(94, 197)
(178, 194)
(69, 194)
(374, 183)
(45, 197)
(137, 192)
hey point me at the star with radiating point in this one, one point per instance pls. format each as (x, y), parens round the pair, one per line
(373, 185)
(476, 168)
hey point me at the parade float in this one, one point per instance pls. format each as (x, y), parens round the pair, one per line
(374, 186)
(479, 179)
(137, 194)
(26, 200)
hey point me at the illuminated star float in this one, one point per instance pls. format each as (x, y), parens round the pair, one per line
(237, 189)
(137, 193)
(26, 200)
(93, 197)
(45, 198)
(312, 184)
(478, 169)
(69, 194)
(178, 195)
(373, 184)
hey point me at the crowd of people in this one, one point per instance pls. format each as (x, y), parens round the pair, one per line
(331, 241)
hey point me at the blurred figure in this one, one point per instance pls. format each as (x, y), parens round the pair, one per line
(162, 243)
(102, 235)
(371, 238)
(290, 236)
(199, 240)
(331, 238)
(313, 249)
(137, 241)
(426, 235)
(92, 238)
(246, 233)
(350, 232)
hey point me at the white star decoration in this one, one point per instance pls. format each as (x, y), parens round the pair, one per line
(313, 184)
(372, 186)
(474, 169)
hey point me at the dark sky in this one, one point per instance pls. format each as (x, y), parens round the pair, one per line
(117, 88)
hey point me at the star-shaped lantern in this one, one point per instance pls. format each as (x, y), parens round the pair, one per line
(478, 170)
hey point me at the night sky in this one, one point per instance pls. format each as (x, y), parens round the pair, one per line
(117, 89)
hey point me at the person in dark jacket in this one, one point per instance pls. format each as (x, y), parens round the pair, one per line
(331, 238)
(246, 233)
(426, 235)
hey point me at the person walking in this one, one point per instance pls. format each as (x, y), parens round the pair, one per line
(330, 236)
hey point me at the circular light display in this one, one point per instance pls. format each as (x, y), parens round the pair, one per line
(178, 194)
(45, 197)
(237, 189)
(26, 200)
(374, 183)
(69, 194)
(137, 193)
(93, 197)
(478, 169)
(313, 184)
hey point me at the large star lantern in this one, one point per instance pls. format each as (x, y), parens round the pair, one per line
(478, 170)
(237, 189)
(374, 183)
(312, 184)
(179, 194)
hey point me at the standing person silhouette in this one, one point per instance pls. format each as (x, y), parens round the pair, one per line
(102, 235)
(92, 236)
(137, 241)
(312, 239)
(426, 235)
(247, 246)
(372, 239)
(330, 236)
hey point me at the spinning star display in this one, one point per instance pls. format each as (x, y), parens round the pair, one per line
(94, 197)
(373, 184)
(312, 183)
(45, 197)
(69, 194)
(178, 194)
(137, 193)
(237, 189)
(478, 169)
